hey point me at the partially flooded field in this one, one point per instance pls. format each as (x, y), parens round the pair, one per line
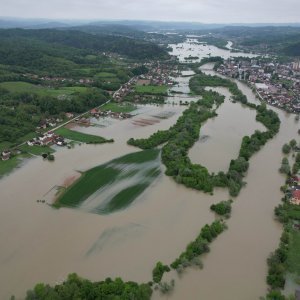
(113, 186)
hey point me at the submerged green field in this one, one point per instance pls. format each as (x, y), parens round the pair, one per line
(113, 186)
(80, 137)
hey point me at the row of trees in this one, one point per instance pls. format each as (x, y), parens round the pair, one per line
(159, 271)
(276, 263)
(77, 288)
(200, 245)
(180, 138)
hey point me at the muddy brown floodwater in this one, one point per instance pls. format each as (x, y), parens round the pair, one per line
(42, 244)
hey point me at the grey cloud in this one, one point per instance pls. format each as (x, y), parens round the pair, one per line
(207, 11)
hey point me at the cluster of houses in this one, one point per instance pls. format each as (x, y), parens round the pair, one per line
(48, 138)
(125, 89)
(158, 74)
(96, 113)
(58, 79)
(161, 74)
(276, 83)
(48, 123)
(293, 191)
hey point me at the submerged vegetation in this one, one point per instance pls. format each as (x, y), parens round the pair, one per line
(159, 271)
(77, 288)
(222, 208)
(199, 246)
(122, 180)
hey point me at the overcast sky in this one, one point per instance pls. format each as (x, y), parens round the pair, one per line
(205, 11)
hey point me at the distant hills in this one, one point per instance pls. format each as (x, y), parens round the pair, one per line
(283, 40)
(140, 25)
(140, 39)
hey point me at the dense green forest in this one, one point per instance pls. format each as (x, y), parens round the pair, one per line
(133, 48)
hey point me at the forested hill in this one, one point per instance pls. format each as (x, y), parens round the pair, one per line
(282, 40)
(112, 29)
(49, 38)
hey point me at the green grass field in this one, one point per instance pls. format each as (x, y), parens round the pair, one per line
(36, 150)
(293, 212)
(80, 137)
(5, 146)
(116, 107)
(294, 253)
(120, 181)
(8, 166)
(151, 89)
(105, 75)
(25, 87)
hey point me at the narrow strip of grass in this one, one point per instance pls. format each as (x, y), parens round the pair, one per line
(293, 260)
(116, 107)
(5, 145)
(81, 137)
(36, 150)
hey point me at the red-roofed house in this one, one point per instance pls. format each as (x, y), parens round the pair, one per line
(296, 197)
(94, 111)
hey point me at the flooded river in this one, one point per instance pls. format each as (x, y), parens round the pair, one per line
(42, 244)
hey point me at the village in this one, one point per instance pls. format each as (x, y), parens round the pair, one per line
(159, 74)
(276, 83)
